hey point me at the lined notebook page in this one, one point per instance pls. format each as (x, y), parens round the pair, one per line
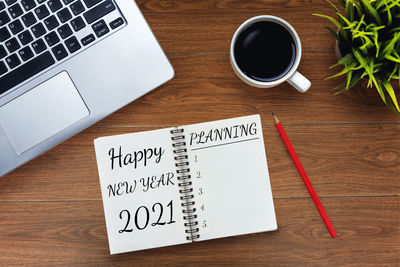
(150, 214)
(230, 177)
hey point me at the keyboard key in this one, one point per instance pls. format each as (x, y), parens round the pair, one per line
(25, 37)
(41, 1)
(3, 52)
(42, 12)
(51, 23)
(99, 24)
(64, 15)
(72, 44)
(26, 71)
(4, 18)
(99, 11)
(59, 52)
(77, 8)
(100, 32)
(16, 26)
(38, 30)
(15, 11)
(2, 6)
(90, 3)
(64, 31)
(10, 2)
(54, 5)
(88, 39)
(67, 2)
(78, 24)
(28, 19)
(13, 61)
(25, 53)
(51, 38)
(4, 34)
(28, 4)
(12, 45)
(3, 68)
(39, 46)
(116, 23)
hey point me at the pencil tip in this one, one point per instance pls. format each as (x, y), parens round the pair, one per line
(275, 118)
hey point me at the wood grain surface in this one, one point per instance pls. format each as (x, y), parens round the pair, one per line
(51, 211)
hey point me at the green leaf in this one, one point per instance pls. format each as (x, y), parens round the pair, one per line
(332, 5)
(350, 24)
(380, 91)
(355, 79)
(359, 67)
(358, 7)
(389, 47)
(366, 66)
(394, 3)
(347, 59)
(336, 23)
(341, 84)
(349, 10)
(344, 71)
(360, 23)
(349, 74)
(364, 74)
(393, 72)
(391, 93)
(333, 33)
(367, 44)
(362, 33)
(393, 30)
(341, 91)
(377, 45)
(380, 4)
(360, 58)
(389, 14)
(342, 3)
(372, 11)
(390, 105)
(389, 57)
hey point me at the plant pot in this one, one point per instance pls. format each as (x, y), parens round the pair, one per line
(338, 51)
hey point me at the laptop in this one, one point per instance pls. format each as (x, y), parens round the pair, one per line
(66, 64)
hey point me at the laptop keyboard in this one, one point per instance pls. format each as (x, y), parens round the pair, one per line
(38, 34)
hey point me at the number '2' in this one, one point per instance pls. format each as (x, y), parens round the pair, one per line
(147, 216)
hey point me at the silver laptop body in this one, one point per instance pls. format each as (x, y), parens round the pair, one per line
(89, 79)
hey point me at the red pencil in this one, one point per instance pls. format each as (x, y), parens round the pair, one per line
(304, 176)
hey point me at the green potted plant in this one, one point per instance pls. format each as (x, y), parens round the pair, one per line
(368, 41)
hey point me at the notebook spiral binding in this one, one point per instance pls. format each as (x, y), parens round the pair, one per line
(185, 184)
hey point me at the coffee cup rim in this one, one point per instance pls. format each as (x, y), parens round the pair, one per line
(247, 24)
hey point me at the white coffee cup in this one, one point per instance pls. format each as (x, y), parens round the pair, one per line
(293, 77)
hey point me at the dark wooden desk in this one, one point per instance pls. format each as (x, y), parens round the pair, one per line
(51, 210)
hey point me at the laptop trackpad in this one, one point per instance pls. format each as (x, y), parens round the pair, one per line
(42, 112)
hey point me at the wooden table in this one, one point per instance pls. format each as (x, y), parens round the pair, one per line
(51, 209)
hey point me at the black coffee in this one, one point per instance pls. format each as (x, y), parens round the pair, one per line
(265, 51)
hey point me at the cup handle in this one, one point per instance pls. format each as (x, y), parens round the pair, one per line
(299, 82)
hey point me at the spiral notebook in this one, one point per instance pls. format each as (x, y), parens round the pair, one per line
(185, 184)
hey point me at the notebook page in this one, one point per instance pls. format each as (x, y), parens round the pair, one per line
(140, 191)
(230, 177)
